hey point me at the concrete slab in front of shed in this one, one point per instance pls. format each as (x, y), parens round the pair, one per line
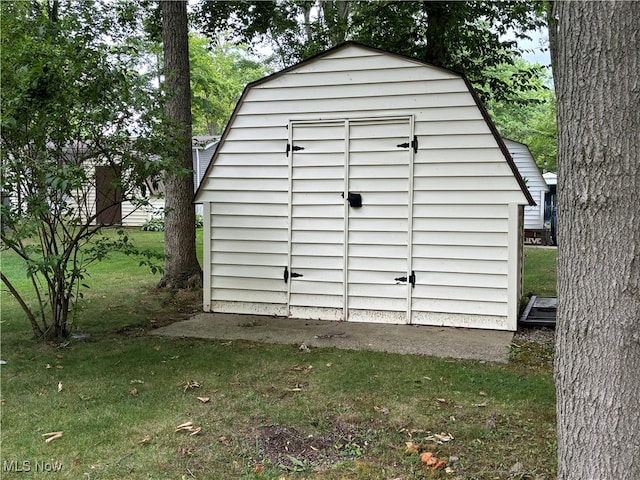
(487, 345)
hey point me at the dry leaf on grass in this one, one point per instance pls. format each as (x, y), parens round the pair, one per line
(146, 439)
(412, 448)
(188, 427)
(431, 461)
(190, 384)
(440, 438)
(51, 436)
(133, 392)
(204, 399)
(59, 386)
(428, 459)
(382, 410)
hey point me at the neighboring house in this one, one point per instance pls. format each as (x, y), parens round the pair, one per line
(533, 214)
(362, 185)
(103, 199)
(203, 149)
(129, 215)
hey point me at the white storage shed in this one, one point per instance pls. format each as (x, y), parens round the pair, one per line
(362, 185)
(530, 173)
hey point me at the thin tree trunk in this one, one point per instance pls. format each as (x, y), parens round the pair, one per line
(181, 269)
(552, 27)
(598, 332)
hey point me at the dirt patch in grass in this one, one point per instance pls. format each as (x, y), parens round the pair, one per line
(291, 449)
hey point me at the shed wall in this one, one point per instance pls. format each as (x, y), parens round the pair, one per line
(533, 214)
(461, 190)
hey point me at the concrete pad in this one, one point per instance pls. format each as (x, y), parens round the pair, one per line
(487, 345)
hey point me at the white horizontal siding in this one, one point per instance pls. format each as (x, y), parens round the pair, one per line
(462, 186)
(529, 171)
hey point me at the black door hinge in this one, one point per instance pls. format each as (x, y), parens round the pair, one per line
(288, 274)
(413, 144)
(295, 148)
(412, 279)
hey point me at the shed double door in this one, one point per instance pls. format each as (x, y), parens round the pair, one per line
(350, 192)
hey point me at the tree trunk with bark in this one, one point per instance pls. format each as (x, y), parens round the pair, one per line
(598, 331)
(437, 19)
(181, 269)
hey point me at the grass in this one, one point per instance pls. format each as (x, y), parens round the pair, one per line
(540, 271)
(273, 411)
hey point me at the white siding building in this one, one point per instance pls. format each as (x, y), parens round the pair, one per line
(361, 185)
(529, 171)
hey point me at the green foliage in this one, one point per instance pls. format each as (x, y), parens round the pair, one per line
(218, 76)
(157, 224)
(463, 36)
(72, 99)
(153, 225)
(529, 115)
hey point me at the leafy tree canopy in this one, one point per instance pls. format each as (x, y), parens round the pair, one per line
(462, 36)
(532, 119)
(219, 73)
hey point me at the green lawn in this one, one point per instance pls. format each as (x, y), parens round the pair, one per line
(540, 271)
(271, 411)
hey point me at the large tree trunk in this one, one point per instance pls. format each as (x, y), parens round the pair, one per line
(598, 331)
(181, 269)
(437, 18)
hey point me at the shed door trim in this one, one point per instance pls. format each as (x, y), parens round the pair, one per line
(315, 180)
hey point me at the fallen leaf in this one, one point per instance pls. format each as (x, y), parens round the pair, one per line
(412, 448)
(204, 399)
(382, 410)
(440, 438)
(428, 459)
(189, 384)
(59, 356)
(259, 468)
(146, 439)
(49, 366)
(188, 427)
(59, 367)
(51, 436)
(441, 400)
(59, 386)
(136, 381)
(484, 394)
(439, 464)
(156, 347)
(184, 426)
(449, 470)
(133, 391)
